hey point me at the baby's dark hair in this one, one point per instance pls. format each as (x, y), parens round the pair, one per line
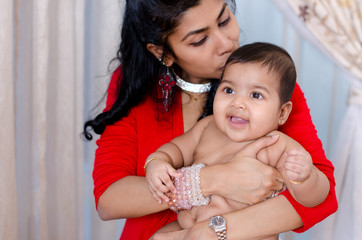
(275, 58)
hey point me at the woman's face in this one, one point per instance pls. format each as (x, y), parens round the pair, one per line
(204, 39)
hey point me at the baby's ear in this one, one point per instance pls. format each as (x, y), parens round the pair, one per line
(285, 110)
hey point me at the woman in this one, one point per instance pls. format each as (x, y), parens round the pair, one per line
(192, 38)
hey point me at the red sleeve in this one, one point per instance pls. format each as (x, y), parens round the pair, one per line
(116, 154)
(301, 128)
(113, 88)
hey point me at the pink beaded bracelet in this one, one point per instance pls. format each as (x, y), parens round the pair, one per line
(188, 191)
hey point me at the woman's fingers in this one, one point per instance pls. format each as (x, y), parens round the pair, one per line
(254, 147)
(253, 181)
(280, 186)
(272, 183)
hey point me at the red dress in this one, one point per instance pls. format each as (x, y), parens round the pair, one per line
(125, 145)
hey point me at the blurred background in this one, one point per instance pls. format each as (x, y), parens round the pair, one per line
(55, 69)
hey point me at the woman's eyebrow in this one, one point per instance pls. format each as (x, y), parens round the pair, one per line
(221, 12)
(205, 28)
(194, 32)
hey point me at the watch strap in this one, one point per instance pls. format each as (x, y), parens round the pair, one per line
(221, 235)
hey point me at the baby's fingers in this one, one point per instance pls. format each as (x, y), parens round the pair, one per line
(168, 184)
(174, 173)
(299, 156)
(158, 195)
(298, 163)
(164, 185)
(296, 171)
(293, 176)
(155, 196)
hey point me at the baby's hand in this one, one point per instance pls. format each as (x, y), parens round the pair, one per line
(158, 174)
(298, 165)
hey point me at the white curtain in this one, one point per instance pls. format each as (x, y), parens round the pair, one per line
(41, 100)
(46, 66)
(8, 198)
(337, 25)
(336, 29)
(49, 102)
(102, 38)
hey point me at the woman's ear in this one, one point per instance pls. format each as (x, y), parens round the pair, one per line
(155, 50)
(285, 110)
(158, 52)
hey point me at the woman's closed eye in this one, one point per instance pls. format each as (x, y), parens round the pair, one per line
(225, 22)
(199, 43)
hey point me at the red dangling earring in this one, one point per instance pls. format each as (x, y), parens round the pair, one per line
(167, 82)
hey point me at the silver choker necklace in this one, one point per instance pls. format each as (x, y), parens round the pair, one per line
(193, 87)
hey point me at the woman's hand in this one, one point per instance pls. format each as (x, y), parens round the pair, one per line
(243, 178)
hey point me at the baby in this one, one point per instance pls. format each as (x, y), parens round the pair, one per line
(252, 100)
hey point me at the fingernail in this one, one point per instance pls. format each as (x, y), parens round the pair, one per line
(275, 136)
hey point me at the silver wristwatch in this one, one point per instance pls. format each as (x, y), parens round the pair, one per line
(218, 223)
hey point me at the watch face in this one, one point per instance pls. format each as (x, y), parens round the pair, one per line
(217, 221)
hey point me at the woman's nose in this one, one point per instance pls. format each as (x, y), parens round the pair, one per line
(224, 43)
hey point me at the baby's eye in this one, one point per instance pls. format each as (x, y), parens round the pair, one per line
(228, 90)
(256, 95)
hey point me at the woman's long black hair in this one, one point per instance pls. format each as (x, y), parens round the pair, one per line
(144, 21)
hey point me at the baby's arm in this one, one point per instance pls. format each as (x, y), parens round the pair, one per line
(161, 164)
(305, 182)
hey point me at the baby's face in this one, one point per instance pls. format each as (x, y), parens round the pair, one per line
(247, 103)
